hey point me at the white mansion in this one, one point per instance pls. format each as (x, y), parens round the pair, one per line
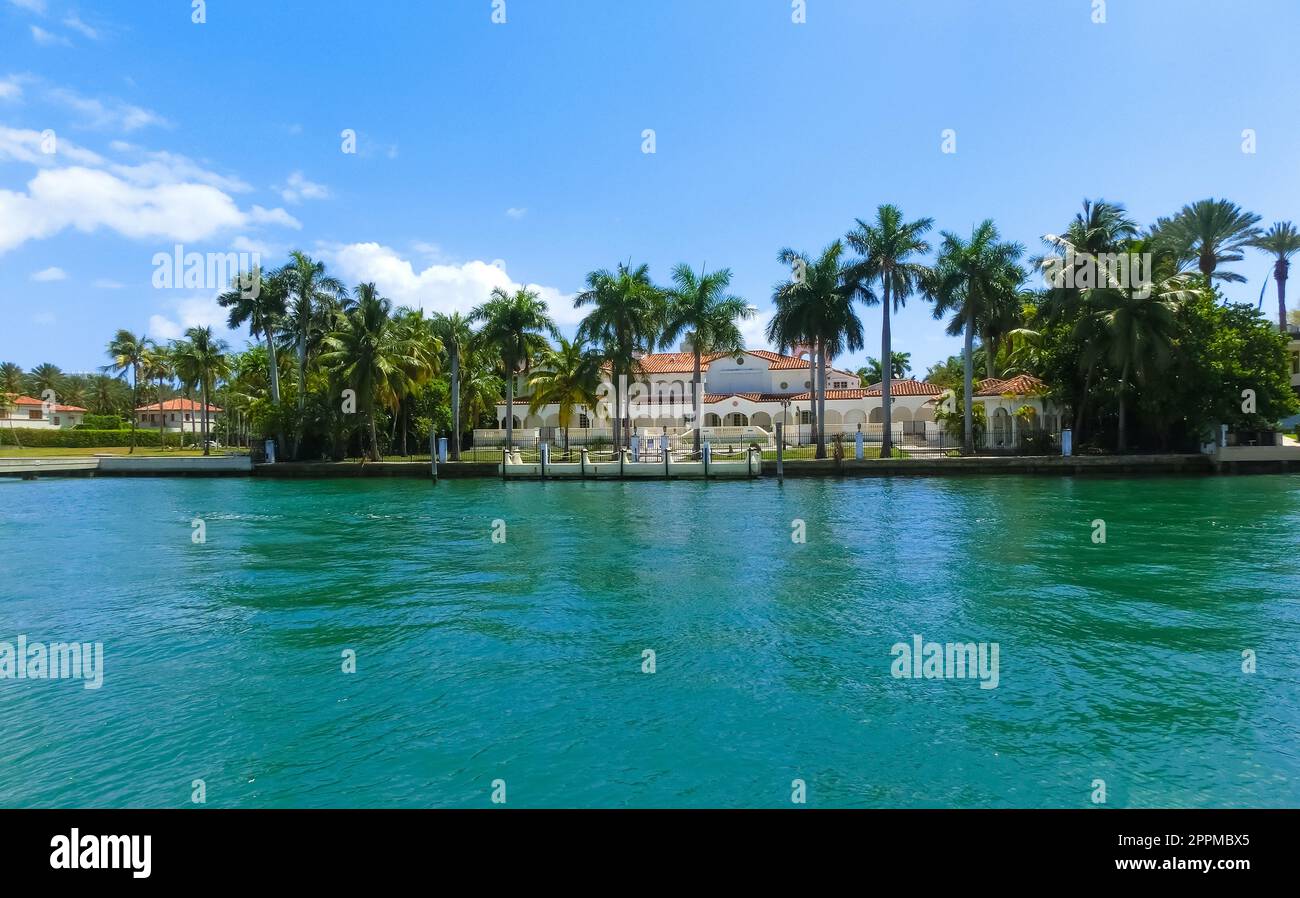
(747, 393)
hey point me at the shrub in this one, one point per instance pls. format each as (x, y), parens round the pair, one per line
(103, 422)
(78, 439)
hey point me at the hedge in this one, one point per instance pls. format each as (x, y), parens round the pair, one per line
(87, 439)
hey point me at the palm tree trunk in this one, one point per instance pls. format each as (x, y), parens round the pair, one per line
(968, 405)
(1083, 401)
(990, 353)
(203, 394)
(455, 404)
(618, 414)
(135, 403)
(819, 383)
(302, 390)
(510, 409)
(812, 395)
(374, 437)
(1280, 272)
(1121, 442)
(697, 399)
(275, 383)
(887, 370)
(162, 416)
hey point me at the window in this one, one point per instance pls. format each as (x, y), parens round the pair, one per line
(56, 420)
(34, 416)
(807, 384)
(785, 385)
(740, 360)
(840, 385)
(584, 421)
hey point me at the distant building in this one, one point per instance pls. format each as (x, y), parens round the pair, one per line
(24, 411)
(176, 415)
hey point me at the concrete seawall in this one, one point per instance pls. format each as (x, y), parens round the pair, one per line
(127, 466)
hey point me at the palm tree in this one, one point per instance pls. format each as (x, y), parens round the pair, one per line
(422, 361)
(624, 322)
(374, 355)
(515, 325)
(1282, 241)
(699, 307)
(201, 359)
(158, 365)
(1102, 227)
(315, 298)
(971, 278)
(900, 366)
(887, 245)
(567, 376)
(480, 386)
(1134, 329)
(11, 378)
(1213, 232)
(45, 376)
(263, 309)
(127, 353)
(815, 308)
(454, 333)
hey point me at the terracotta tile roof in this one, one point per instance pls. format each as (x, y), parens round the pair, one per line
(684, 362)
(178, 405)
(710, 398)
(1020, 385)
(909, 387)
(805, 396)
(27, 400)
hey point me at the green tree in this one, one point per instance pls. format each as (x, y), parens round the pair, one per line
(873, 372)
(11, 378)
(515, 325)
(158, 365)
(887, 247)
(1282, 241)
(373, 355)
(699, 308)
(1211, 232)
(568, 376)
(200, 359)
(261, 302)
(314, 299)
(454, 334)
(969, 279)
(814, 308)
(127, 353)
(624, 321)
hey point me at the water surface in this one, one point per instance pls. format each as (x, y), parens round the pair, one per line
(522, 661)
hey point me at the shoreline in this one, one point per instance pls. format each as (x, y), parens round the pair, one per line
(242, 466)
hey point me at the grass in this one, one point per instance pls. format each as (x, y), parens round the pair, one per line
(59, 452)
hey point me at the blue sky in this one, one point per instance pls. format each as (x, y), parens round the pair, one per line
(512, 153)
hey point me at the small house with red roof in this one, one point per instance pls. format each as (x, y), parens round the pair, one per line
(176, 415)
(24, 411)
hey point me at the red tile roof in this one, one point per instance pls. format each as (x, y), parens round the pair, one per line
(908, 387)
(27, 400)
(684, 362)
(178, 405)
(1020, 385)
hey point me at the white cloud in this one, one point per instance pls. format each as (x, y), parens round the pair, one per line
(199, 310)
(50, 274)
(166, 196)
(113, 115)
(106, 284)
(36, 6)
(299, 188)
(438, 287)
(47, 39)
(73, 21)
(11, 88)
(516, 213)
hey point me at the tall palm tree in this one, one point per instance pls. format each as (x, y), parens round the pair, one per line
(515, 325)
(373, 354)
(970, 278)
(127, 353)
(815, 308)
(11, 378)
(314, 298)
(887, 247)
(1134, 330)
(699, 307)
(1282, 241)
(423, 354)
(263, 309)
(201, 360)
(480, 385)
(158, 365)
(454, 333)
(625, 321)
(568, 376)
(46, 376)
(1212, 232)
(1102, 227)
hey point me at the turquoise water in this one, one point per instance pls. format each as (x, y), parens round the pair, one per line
(522, 661)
